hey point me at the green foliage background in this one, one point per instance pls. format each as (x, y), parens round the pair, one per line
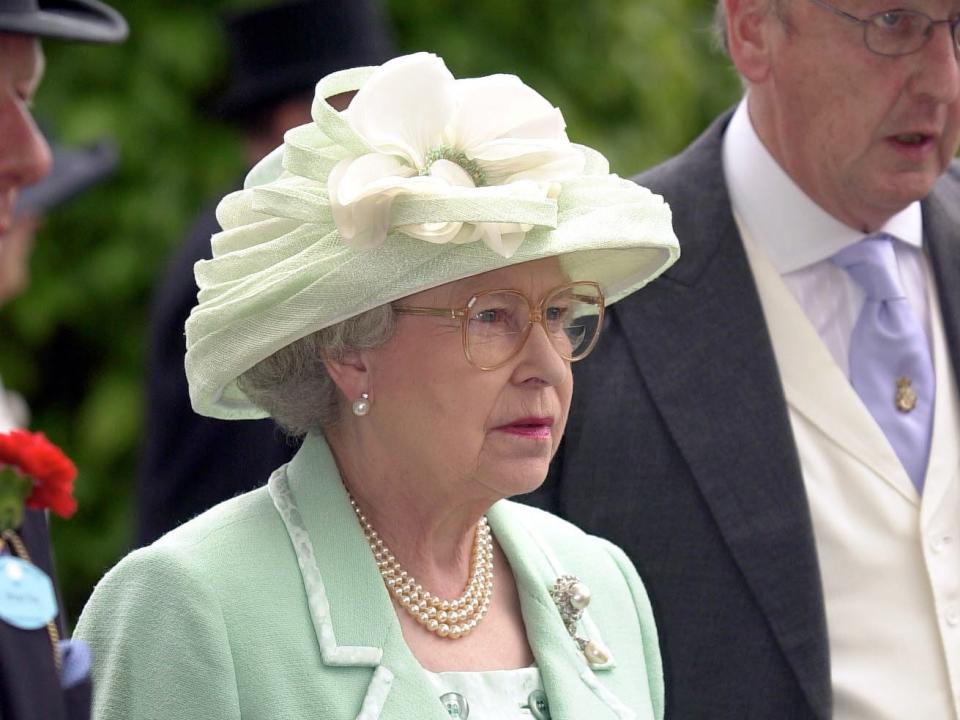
(636, 79)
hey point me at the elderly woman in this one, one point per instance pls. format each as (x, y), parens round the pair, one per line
(406, 284)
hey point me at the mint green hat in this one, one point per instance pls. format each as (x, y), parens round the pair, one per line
(423, 180)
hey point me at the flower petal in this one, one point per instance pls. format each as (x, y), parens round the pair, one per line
(504, 238)
(501, 106)
(509, 160)
(439, 233)
(351, 180)
(470, 232)
(403, 108)
(361, 210)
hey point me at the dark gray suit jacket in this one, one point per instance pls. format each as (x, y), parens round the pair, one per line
(679, 449)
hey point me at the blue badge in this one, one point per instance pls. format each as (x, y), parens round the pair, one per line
(27, 600)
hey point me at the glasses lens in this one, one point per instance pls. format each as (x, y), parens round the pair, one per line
(897, 32)
(498, 323)
(496, 326)
(572, 318)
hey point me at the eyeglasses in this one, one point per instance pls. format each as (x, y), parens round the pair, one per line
(897, 32)
(496, 323)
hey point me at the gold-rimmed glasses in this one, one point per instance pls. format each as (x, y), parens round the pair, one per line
(495, 324)
(897, 32)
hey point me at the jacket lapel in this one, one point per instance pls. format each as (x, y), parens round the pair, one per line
(701, 344)
(941, 235)
(357, 625)
(355, 622)
(941, 218)
(567, 678)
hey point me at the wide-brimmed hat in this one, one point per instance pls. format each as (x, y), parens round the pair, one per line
(86, 20)
(74, 169)
(281, 50)
(423, 180)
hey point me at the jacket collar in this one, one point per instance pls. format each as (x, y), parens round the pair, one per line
(689, 343)
(535, 570)
(356, 624)
(941, 229)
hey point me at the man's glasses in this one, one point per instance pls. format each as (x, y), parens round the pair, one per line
(897, 32)
(497, 323)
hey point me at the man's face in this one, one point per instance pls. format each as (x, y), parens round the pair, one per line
(24, 154)
(863, 135)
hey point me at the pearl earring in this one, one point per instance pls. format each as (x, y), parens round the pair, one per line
(361, 406)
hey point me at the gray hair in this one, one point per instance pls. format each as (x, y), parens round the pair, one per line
(293, 385)
(777, 7)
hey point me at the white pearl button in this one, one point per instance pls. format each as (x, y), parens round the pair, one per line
(952, 616)
(940, 542)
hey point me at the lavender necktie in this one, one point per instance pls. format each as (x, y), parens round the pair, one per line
(890, 364)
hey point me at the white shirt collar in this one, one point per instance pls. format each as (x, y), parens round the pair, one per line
(13, 410)
(791, 228)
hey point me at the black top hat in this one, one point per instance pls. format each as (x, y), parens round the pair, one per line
(285, 49)
(73, 171)
(86, 20)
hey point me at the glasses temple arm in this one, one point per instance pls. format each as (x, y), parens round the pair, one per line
(451, 313)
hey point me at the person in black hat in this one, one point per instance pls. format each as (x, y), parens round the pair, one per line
(40, 678)
(279, 54)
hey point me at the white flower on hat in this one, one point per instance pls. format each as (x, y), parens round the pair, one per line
(433, 135)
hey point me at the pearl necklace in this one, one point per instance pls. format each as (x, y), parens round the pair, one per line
(447, 618)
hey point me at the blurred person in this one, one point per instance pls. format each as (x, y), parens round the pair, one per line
(15, 247)
(278, 53)
(406, 283)
(41, 678)
(73, 170)
(771, 430)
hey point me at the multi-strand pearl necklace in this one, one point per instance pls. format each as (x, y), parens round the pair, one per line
(447, 618)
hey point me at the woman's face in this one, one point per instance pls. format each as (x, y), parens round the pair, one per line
(482, 434)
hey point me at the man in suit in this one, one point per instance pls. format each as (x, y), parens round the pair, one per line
(191, 463)
(797, 530)
(39, 679)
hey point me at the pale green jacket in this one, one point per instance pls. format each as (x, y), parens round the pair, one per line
(270, 607)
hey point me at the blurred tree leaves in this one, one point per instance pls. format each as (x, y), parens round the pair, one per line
(637, 80)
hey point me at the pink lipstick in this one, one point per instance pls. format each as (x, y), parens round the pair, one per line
(536, 428)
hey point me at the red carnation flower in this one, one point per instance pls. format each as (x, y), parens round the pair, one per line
(51, 472)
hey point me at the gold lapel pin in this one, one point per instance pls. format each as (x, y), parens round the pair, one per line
(906, 397)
